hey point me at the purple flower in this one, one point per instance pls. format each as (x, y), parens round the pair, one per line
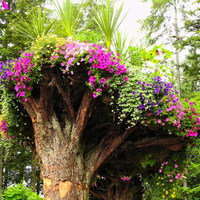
(141, 107)
(133, 92)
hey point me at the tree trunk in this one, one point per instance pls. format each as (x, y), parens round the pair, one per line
(178, 71)
(61, 161)
(33, 173)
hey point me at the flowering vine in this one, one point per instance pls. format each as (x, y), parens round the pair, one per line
(153, 102)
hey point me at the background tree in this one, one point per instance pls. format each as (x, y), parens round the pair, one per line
(164, 24)
(191, 43)
(10, 42)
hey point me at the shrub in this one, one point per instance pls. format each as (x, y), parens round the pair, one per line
(20, 192)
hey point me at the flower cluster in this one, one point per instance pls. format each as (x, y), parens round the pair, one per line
(165, 184)
(19, 75)
(4, 128)
(103, 69)
(158, 88)
(4, 68)
(154, 103)
(176, 173)
(173, 116)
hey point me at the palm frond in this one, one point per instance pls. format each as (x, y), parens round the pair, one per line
(35, 25)
(69, 15)
(108, 19)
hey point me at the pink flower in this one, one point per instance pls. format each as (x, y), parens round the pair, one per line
(167, 119)
(125, 178)
(94, 95)
(175, 165)
(125, 78)
(92, 78)
(22, 94)
(28, 88)
(103, 80)
(159, 121)
(160, 170)
(191, 103)
(99, 89)
(171, 180)
(5, 5)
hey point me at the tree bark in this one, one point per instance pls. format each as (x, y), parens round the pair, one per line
(33, 173)
(61, 161)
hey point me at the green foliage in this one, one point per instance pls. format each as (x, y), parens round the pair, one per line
(155, 59)
(90, 36)
(20, 192)
(167, 183)
(120, 45)
(11, 41)
(148, 161)
(108, 20)
(43, 48)
(35, 24)
(194, 97)
(69, 15)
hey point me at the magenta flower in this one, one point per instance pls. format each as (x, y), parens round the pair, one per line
(22, 94)
(99, 89)
(5, 5)
(171, 180)
(92, 79)
(103, 80)
(160, 170)
(125, 78)
(159, 121)
(176, 165)
(125, 178)
(94, 95)
(167, 119)
(191, 103)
